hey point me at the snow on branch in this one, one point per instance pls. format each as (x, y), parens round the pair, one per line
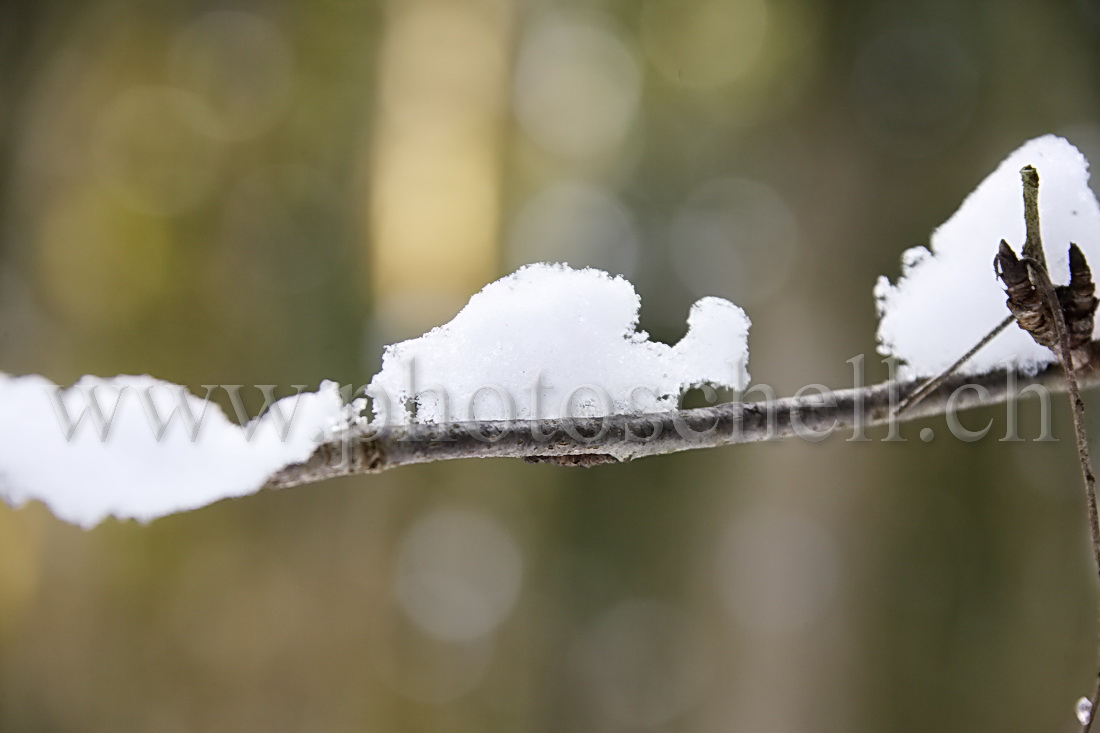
(948, 296)
(813, 416)
(548, 364)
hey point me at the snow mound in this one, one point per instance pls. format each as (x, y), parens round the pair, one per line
(549, 341)
(948, 298)
(141, 461)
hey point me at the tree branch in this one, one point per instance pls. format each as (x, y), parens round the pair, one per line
(617, 438)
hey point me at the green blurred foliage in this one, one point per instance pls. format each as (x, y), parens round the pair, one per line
(186, 191)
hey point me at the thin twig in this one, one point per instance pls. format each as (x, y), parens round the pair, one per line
(1042, 282)
(922, 391)
(627, 437)
(1033, 245)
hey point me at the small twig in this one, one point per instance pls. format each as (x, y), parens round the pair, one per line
(1062, 319)
(1043, 284)
(1033, 246)
(363, 450)
(925, 389)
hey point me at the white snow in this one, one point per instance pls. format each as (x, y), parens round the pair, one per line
(141, 448)
(132, 473)
(946, 300)
(575, 331)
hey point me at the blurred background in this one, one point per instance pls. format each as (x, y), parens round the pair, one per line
(269, 192)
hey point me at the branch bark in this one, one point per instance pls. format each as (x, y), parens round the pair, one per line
(617, 438)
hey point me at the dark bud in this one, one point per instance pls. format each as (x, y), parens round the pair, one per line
(1024, 300)
(1012, 273)
(1080, 274)
(1078, 299)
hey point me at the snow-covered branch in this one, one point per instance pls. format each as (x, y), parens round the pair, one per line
(815, 415)
(548, 364)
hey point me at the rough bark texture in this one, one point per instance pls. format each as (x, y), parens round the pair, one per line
(617, 438)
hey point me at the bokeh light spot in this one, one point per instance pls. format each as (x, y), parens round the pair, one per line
(458, 575)
(152, 149)
(579, 223)
(704, 43)
(240, 65)
(577, 85)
